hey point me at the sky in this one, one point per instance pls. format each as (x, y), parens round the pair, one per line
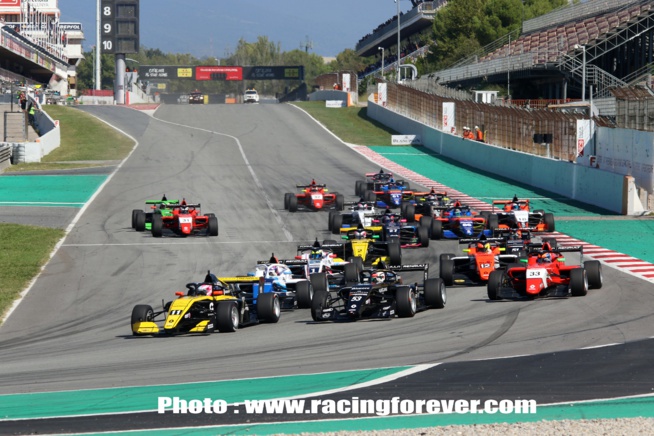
(212, 28)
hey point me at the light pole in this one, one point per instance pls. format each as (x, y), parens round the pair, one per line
(98, 71)
(399, 54)
(382, 49)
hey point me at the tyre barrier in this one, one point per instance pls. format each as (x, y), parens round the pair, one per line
(17, 153)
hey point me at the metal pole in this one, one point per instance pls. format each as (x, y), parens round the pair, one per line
(508, 72)
(98, 75)
(399, 60)
(583, 74)
(119, 92)
(382, 70)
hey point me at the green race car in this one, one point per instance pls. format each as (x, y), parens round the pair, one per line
(142, 220)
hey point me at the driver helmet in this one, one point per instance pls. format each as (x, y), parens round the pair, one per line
(360, 234)
(457, 212)
(183, 209)
(392, 180)
(545, 258)
(315, 254)
(487, 247)
(378, 277)
(515, 206)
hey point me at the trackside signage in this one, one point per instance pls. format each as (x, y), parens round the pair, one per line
(406, 140)
(334, 103)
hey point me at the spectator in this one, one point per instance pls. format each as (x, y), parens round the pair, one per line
(467, 133)
(479, 134)
(23, 101)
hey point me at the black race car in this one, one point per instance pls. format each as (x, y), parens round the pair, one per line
(378, 293)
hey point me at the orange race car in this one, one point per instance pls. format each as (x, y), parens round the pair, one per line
(516, 214)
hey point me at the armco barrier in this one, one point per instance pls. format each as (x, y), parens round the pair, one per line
(5, 156)
(588, 185)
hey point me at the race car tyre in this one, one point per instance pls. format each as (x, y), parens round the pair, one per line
(210, 215)
(351, 273)
(552, 241)
(540, 211)
(318, 302)
(369, 196)
(358, 261)
(157, 226)
(330, 219)
(594, 273)
(329, 241)
(140, 313)
(423, 236)
(578, 282)
(436, 230)
(403, 206)
(446, 271)
(395, 254)
(548, 219)
(435, 293)
(227, 318)
(485, 214)
(139, 221)
(303, 294)
(406, 185)
(340, 202)
(134, 213)
(337, 223)
(212, 226)
(493, 222)
(287, 199)
(358, 187)
(410, 212)
(425, 221)
(405, 299)
(495, 280)
(268, 307)
(319, 282)
(292, 204)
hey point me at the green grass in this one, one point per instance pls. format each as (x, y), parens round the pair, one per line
(19, 265)
(83, 138)
(351, 124)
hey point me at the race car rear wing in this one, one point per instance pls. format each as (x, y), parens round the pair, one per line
(310, 186)
(323, 246)
(569, 249)
(161, 201)
(415, 267)
(178, 205)
(469, 240)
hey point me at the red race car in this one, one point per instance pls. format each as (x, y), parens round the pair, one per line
(313, 197)
(545, 274)
(185, 220)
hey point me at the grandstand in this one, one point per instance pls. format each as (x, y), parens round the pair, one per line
(612, 39)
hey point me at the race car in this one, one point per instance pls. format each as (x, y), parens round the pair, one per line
(482, 256)
(424, 206)
(458, 221)
(545, 274)
(516, 214)
(142, 220)
(186, 219)
(391, 194)
(518, 241)
(292, 286)
(361, 212)
(313, 197)
(409, 235)
(196, 97)
(251, 96)
(205, 307)
(367, 244)
(374, 181)
(379, 293)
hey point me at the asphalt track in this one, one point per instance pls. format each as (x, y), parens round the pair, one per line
(71, 331)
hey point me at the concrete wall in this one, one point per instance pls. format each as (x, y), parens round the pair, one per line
(588, 185)
(49, 140)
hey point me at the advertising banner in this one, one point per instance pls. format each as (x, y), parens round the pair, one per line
(211, 72)
(584, 134)
(382, 96)
(449, 117)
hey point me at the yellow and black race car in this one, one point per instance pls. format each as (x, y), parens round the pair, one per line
(215, 304)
